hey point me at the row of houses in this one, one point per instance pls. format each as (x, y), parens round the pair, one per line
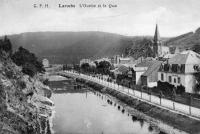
(177, 68)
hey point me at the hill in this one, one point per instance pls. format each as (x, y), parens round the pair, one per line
(185, 41)
(70, 47)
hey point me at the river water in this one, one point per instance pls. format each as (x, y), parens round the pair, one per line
(89, 112)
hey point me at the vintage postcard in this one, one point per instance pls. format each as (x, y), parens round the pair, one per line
(99, 67)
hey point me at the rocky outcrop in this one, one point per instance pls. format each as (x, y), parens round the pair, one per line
(24, 104)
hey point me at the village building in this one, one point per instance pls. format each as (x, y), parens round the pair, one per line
(124, 60)
(159, 49)
(82, 61)
(45, 63)
(121, 60)
(180, 70)
(139, 70)
(150, 77)
(121, 70)
(116, 59)
(146, 73)
(103, 59)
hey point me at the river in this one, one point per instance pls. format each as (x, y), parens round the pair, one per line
(89, 112)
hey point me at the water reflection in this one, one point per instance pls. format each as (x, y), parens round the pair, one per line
(118, 107)
(134, 118)
(141, 122)
(94, 113)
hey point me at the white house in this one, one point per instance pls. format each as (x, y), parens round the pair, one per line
(82, 61)
(140, 69)
(138, 73)
(180, 69)
(147, 73)
(45, 63)
(103, 59)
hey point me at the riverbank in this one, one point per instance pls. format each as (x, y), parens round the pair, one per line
(179, 121)
(25, 107)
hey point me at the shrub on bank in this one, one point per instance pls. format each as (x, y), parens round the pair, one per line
(29, 69)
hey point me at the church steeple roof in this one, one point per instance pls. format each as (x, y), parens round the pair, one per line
(156, 35)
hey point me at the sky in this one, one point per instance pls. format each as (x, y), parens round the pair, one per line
(130, 17)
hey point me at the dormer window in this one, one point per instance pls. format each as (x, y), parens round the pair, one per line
(196, 67)
(179, 68)
(174, 68)
(182, 69)
(166, 67)
(161, 67)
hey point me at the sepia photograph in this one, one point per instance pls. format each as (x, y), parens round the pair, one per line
(99, 67)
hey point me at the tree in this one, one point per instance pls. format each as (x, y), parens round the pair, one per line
(180, 89)
(85, 66)
(5, 45)
(165, 87)
(28, 61)
(103, 67)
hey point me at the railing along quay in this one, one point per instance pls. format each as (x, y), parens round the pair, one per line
(164, 103)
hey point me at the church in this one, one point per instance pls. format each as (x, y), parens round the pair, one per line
(159, 50)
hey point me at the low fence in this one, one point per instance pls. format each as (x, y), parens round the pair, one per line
(149, 98)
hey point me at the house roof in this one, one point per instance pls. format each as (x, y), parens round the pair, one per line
(123, 69)
(152, 68)
(186, 57)
(144, 63)
(125, 59)
(169, 56)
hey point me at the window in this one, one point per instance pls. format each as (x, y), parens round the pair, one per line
(166, 67)
(174, 68)
(179, 80)
(170, 79)
(162, 77)
(174, 80)
(182, 69)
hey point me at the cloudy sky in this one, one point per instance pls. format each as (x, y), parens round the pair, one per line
(131, 17)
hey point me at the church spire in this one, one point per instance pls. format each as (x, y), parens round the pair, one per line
(156, 38)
